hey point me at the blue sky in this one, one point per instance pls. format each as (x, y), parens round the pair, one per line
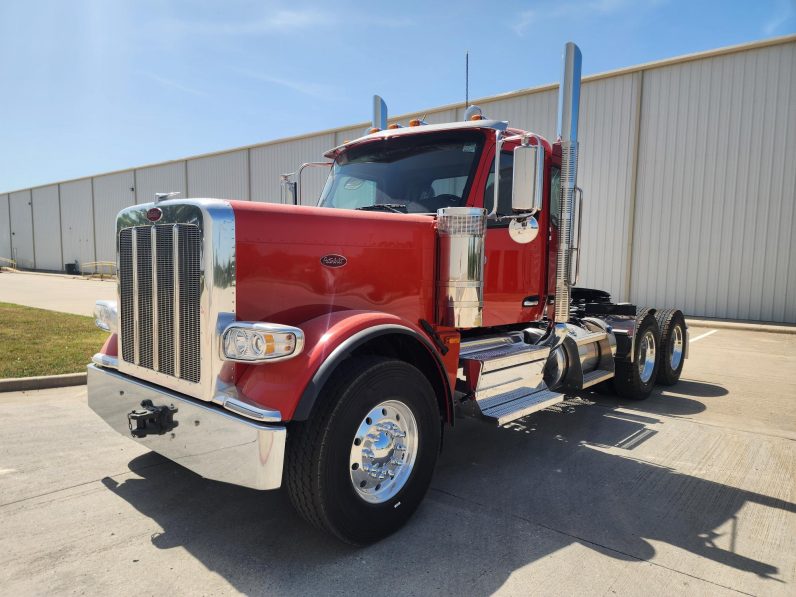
(88, 86)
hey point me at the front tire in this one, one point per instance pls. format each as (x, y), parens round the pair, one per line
(360, 466)
(636, 380)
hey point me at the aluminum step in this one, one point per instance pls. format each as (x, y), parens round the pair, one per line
(592, 378)
(502, 357)
(517, 403)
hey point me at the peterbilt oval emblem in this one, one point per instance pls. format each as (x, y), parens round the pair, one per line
(154, 214)
(333, 260)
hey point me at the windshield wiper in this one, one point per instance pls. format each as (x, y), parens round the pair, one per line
(394, 207)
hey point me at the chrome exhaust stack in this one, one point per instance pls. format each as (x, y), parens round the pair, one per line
(568, 111)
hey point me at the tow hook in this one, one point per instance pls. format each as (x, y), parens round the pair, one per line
(151, 420)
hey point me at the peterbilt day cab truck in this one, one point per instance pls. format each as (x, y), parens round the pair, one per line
(327, 348)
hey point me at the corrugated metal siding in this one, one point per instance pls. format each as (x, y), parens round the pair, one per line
(5, 228)
(270, 161)
(225, 176)
(607, 140)
(688, 163)
(77, 221)
(22, 230)
(47, 228)
(112, 193)
(159, 179)
(716, 183)
(534, 112)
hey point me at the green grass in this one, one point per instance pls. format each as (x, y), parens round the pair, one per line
(41, 342)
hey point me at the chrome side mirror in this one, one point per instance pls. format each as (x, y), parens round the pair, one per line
(528, 178)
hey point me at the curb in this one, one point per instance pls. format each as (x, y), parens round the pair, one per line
(771, 328)
(19, 384)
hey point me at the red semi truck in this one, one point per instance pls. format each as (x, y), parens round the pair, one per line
(328, 348)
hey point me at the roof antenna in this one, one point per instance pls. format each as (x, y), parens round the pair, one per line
(466, 79)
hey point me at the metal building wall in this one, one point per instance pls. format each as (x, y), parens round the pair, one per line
(714, 219)
(47, 228)
(687, 167)
(77, 221)
(268, 162)
(166, 178)
(22, 229)
(225, 176)
(112, 193)
(5, 227)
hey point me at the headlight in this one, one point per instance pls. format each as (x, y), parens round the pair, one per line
(247, 342)
(105, 315)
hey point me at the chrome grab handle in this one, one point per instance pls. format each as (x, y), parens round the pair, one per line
(575, 250)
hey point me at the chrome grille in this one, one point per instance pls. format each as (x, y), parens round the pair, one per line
(160, 282)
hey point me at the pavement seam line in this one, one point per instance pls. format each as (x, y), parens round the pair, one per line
(484, 507)
(54, 491)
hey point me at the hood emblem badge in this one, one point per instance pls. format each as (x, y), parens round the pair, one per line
(154, 214)
(333, 260)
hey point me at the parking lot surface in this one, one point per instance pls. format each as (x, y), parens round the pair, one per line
(690, 492)
(70, 294)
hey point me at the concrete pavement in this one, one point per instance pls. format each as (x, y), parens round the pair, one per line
(69, 294)
(690, 492)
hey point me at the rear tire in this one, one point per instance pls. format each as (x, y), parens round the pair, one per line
(636, 380)
(378, 416)
(672, 353)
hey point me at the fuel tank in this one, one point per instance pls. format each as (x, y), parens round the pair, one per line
(294, 263)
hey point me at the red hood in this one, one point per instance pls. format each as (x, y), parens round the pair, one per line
(389, 262)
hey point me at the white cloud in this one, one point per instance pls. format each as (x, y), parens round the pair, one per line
(577, 9)
(316, 90)
(279, 21)
(172, 84)
(783, 14)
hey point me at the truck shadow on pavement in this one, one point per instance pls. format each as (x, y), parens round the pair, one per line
(502, 498)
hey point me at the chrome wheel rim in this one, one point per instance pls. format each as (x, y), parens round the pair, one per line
(646, 357)
(676, 354)
(383, 451)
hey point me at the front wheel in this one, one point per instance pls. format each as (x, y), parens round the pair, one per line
(360, 466)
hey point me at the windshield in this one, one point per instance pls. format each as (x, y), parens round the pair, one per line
(408, 174)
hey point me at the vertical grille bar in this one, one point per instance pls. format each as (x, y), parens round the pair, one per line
(153, 241)
(190, 288)
(126, 294)
(165, 298)
(136, 341)
(144, 269)
(177, 311)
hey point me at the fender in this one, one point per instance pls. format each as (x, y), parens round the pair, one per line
(292, 386)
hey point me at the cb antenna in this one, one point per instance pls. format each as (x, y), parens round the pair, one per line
(466, 79)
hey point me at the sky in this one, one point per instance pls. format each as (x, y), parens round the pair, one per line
(90, 86)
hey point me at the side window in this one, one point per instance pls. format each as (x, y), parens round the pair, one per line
(352, 192)
(504, 190)
(555, 194)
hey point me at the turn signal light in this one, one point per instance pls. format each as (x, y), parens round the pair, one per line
(251, 342)
(477, 117)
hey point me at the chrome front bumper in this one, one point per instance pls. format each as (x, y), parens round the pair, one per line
(207, 439)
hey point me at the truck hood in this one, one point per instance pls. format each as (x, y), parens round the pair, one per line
(294, 263)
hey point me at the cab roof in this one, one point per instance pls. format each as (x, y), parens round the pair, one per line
(497, 125)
